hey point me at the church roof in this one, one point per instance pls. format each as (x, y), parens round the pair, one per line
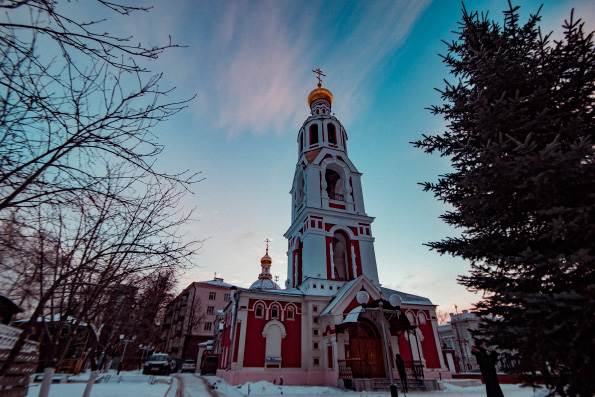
(407, 298)
(264, 283)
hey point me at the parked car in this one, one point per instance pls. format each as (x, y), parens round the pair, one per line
(189, 366)
(159, 363)
(209, 365)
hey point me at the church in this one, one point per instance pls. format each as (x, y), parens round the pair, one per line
(333, 324)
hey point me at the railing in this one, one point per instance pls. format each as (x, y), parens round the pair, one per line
(354, 368)
(415, 369)
(336, 196)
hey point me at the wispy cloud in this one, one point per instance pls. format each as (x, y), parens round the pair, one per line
(250, 62)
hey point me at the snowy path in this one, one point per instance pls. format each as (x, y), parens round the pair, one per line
(191, 385)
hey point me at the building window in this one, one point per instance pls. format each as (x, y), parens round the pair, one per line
(290, 313)
(210, 310)
(315, 345)
(334, 185)
(315, 309)
(332, 134)
(275, 312)
(208, 326)
(316, 361)
(313, 134)
(315, 331)
(258, 312)
(226, 297)
(212, 295)
(422, 318)
(315, 320)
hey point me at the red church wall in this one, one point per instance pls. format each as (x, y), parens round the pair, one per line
(236, 346)
(404, 348)
(428, 346)
(291, 345)
(255, 345)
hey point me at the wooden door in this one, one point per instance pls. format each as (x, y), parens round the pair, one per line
(365, 351)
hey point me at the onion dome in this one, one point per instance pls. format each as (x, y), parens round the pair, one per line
(265, 279)
(320, 93)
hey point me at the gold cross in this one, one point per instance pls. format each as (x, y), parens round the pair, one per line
(267, 241)
(319, 73)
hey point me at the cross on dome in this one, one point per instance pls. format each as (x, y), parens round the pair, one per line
(319, 73)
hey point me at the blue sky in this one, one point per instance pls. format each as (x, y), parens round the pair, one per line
(249, 64)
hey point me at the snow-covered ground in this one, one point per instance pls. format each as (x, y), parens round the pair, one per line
(133, 384)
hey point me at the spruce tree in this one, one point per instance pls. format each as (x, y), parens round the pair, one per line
(520, 138)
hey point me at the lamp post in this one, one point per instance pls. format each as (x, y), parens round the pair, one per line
(395, 301)
(124, 352)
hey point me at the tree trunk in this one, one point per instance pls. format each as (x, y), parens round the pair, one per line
(48, 375)
(92, 378)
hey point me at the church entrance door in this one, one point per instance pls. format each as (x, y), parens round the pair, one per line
(365, 351)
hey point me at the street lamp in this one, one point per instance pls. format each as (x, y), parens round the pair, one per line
(124, 352)
(395, 301)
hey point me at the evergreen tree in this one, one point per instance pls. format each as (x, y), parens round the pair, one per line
(520, 139)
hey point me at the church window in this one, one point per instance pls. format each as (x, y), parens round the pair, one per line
(340, 257)
(301, 142)
(290, 313)
(258, 311)
(316, 361)
(315, 309)
(334, 185)
(315, 332)
(411, 318)
(315, 320)
(422, 318)
(315, 345)
(313, 134)
(332, 134)
(275, 312)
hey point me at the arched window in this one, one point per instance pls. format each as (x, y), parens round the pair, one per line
(290, 314)
(334, 185)
(332, 134)
(313, 134)
(301, 142)
(275, 312)
(422, 318)
(259, 310)
(340, 257)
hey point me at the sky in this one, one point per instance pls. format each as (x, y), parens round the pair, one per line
(250, 64)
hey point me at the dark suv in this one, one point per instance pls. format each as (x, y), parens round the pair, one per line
(159, 363)
(209, 365)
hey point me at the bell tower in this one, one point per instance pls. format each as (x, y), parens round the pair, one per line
(330, 238)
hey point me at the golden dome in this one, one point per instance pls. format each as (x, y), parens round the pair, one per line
(320, 93)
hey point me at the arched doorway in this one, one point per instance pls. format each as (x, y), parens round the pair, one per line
(365, 351)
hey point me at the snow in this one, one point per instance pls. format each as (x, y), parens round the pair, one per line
(132, 384)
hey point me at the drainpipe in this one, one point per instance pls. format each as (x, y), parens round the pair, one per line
(235, 296)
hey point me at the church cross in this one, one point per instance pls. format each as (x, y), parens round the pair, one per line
(319, 73)
(267, 241)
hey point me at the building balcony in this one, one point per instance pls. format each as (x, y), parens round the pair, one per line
(336, 196)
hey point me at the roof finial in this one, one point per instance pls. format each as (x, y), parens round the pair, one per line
(267, 241)
(319, 73)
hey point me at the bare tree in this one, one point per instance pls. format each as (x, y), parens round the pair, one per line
(61, 120)
(79, 254)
